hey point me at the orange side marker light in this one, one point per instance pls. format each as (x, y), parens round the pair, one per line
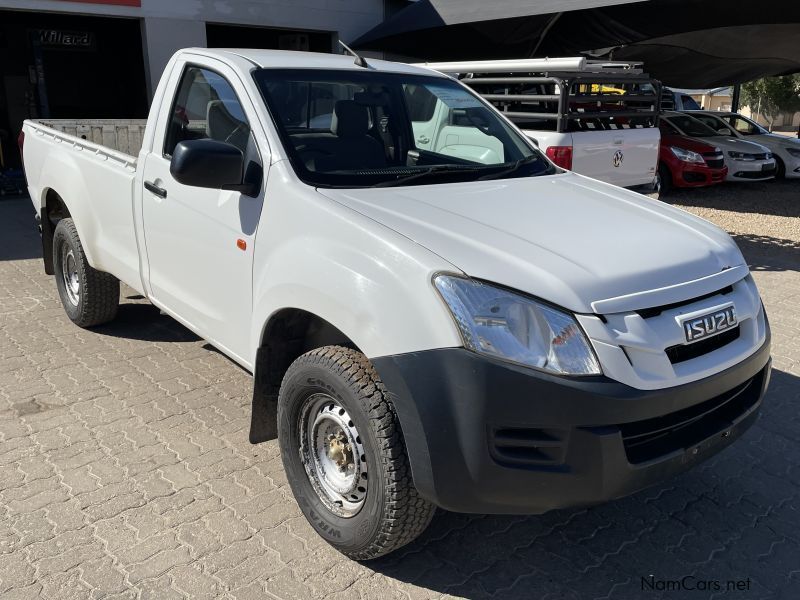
(241, 244)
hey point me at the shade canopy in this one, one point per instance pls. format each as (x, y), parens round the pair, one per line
(686, 43)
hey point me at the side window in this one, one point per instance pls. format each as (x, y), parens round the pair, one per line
(206, 107)
(742, 126)
(666, 128)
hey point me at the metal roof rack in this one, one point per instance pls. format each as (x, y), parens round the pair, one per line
(566, 93)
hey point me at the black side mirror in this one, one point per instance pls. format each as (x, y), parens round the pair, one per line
(210, 164)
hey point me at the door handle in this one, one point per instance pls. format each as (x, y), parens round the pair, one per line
(423, 139)
(152, 187)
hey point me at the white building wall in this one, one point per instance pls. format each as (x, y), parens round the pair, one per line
(172, 24)
(161, 38)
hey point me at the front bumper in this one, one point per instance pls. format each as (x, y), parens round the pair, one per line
(487, 436)
(791, 165)
(691, 175)
(743, 170)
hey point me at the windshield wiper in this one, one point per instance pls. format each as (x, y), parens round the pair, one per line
(514, 166)
(432, 170)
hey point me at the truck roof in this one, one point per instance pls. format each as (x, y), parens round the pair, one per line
(291, 59)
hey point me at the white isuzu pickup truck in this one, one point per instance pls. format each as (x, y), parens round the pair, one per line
(469, 326)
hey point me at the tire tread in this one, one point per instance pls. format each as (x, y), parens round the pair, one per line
(99, 291)
(406, 514)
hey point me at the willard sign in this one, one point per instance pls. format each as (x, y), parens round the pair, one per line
(60, 38)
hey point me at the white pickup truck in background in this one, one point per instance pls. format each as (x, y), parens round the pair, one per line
(462, 325)
(596, 118)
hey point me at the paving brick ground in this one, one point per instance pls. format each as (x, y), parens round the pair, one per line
(125, 472)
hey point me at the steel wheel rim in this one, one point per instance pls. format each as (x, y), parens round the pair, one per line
(69, 274)
(333, 455)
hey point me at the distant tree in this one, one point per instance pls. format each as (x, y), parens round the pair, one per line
(772, 96)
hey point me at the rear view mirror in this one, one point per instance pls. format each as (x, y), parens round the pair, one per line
(210, 164)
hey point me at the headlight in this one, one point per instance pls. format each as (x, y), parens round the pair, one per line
(740, 155)
(507, 325)
(686, 155)
(794, 152)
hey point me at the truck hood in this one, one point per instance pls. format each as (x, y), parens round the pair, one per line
(565, 238)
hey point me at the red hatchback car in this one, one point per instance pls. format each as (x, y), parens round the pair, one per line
(686, 162)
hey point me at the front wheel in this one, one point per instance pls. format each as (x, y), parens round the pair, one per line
(663, 180)
(345, 457)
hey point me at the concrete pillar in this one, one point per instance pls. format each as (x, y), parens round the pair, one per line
(161, 38)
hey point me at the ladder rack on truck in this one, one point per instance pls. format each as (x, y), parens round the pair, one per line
(559, 101)
(562, 94)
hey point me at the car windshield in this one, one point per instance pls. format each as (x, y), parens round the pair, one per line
(691, 126)
(348, 128)
(745, 126)
(715, 123)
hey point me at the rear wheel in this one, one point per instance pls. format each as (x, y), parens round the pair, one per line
(345, 456)
(90, 297)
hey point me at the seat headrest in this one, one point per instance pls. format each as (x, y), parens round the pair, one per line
(349, 119)
(221, 125)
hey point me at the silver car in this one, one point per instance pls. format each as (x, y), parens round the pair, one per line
(786, 150)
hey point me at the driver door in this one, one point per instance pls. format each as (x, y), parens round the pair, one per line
(200, 241)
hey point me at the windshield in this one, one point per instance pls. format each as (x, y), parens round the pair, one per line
(347, 128)
(691, 126)
(716, 124)
(745, 126)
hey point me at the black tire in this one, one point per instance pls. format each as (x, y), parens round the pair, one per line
(780, 168)
(96, 299)
(393, 513)
(664, 184)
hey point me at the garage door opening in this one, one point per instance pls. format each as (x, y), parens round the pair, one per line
(67, 66)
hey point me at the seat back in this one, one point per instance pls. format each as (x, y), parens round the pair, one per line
(222, 126)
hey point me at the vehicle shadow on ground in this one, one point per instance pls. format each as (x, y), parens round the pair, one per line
(780, 197)
(765, 253)
(145, 322)
(19, 237)
(727, 519)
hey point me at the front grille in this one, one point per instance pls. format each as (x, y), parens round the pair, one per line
(692, 177)
(754, 174)
(648, 313)
(715, 163)
(652, 438)
(528, 447)
(683, 352)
